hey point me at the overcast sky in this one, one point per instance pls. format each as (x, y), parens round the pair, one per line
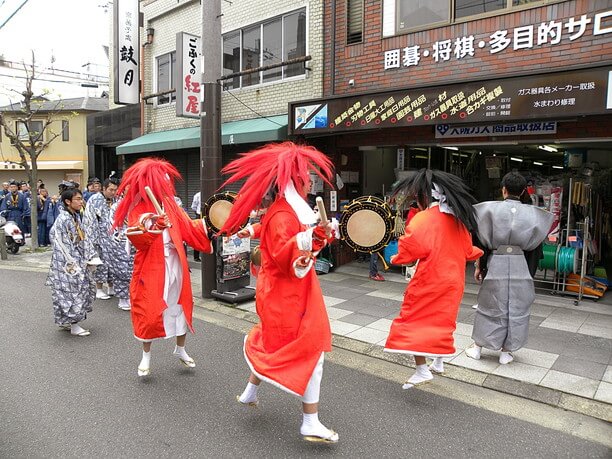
(71, 31)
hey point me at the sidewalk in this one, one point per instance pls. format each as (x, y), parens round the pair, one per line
(567, 361)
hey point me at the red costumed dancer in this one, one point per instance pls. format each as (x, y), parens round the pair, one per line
(160, 291)
(439, 238)
(286, 348)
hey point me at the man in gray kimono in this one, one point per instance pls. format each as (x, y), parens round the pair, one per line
(508, 231)
(97, 224)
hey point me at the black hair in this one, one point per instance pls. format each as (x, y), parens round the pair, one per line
(68, 194)
(458, 197)
(514, 183)
(110, 181)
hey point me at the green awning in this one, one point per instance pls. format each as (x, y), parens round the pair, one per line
(272, 128)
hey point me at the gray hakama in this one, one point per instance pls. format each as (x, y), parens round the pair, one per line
(507, 228)
(72, 287)
(97, 224)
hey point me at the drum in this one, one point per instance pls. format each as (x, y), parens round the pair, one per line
(366, 224)
(217, 208)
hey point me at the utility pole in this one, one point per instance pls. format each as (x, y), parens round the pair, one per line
(210, 121)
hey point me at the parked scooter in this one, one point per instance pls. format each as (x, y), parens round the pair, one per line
(14, 236)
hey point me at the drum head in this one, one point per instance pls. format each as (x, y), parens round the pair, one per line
(366, 224)
(217, 208)
(219, 212)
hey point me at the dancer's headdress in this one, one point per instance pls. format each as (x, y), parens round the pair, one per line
(157, 174)
(271, 167)
(450, 191)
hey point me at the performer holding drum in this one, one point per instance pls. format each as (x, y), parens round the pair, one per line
(160, 291)
(439, 237)
(287, 347)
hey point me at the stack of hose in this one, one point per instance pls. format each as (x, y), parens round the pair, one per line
(561, 259)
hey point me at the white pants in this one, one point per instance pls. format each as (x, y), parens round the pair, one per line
(175, 323)
(313, 389)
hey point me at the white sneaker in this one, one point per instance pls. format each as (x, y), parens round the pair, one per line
(100, 295)
(473, 352)
(505, 357)
(124, 304)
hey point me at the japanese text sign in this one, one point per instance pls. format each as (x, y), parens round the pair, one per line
(126, 51)
(534, 97)
(188, 76)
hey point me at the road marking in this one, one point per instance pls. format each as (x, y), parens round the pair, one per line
(568, 422)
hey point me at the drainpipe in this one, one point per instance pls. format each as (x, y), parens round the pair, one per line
(150, 33)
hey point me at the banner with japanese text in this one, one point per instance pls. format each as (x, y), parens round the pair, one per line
(188, 65)
(126, 35)
(534, 97)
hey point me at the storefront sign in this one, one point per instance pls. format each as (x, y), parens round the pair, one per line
(525, 37)
(127, 45)
(446, 131)
(188, 59)
(534, 97)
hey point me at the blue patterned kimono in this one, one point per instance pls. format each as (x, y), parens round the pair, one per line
(97, 225)
(72, 288)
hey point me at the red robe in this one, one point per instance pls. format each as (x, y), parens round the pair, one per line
(428, 316)
(147, 285)
(285, 346)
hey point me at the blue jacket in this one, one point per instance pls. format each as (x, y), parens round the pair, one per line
(52, 212)
(42, 209)
(16, 210)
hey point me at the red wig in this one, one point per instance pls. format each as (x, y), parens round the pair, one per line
(273, 165)
(157, 174)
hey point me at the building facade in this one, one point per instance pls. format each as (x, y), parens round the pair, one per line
(66, 157)
(474, 88)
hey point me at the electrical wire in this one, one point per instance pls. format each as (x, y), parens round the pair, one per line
(253, 110)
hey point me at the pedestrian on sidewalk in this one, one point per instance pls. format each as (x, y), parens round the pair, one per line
(509, 231)
(70, 278)
(160, 291)
(374, 273)
(287, 347)
(439, 238)
(42, 206)
(15, 205)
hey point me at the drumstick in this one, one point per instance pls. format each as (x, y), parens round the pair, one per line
(151, 196)
(321, 207)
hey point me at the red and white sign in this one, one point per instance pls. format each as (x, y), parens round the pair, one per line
(188, 78)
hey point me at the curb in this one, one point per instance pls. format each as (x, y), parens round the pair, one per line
(548, 396)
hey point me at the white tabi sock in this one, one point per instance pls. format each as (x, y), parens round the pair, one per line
(145, 363)
(111, 291)
(181, 353)
(437, 365)
(473, 351)
(250, 394)
(420, 376)
(505, 357)
(312, 427)
(124, 303)
(76, 329)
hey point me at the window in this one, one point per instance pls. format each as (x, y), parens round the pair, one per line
(354, 24)
(419, 14)
(65, 131)
(22, 130)
(165, 77)
(272, 42)
(465, 8)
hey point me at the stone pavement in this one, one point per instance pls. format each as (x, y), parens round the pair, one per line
(567, 361)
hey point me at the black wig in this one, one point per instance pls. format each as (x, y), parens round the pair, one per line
(419, 185)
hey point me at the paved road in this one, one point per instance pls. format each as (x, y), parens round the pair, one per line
(68, 396)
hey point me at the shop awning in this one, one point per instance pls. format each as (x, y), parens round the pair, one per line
(272, 128)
